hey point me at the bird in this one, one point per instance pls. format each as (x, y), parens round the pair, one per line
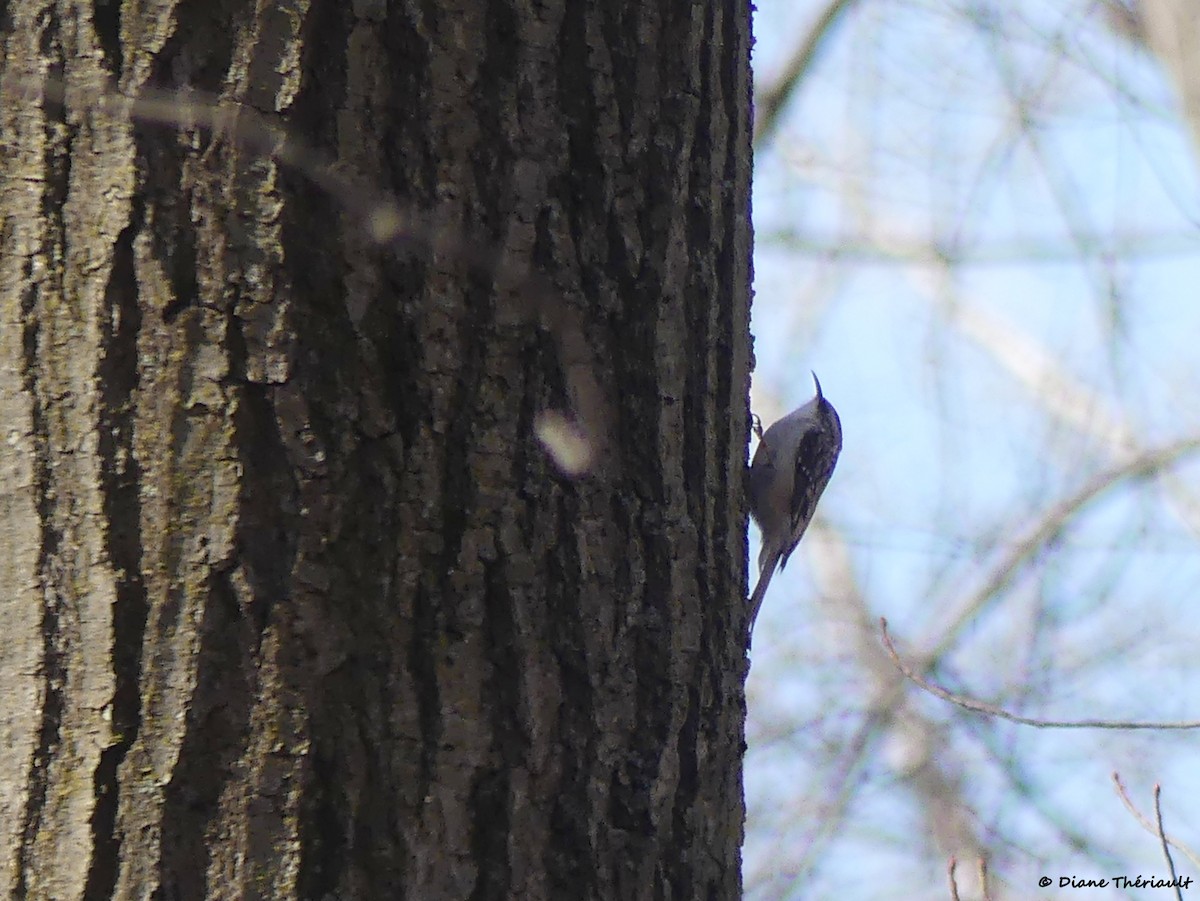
(792, 465)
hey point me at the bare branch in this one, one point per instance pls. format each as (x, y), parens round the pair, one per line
(982, 876)
(1162, 838)
(1048, 527)
(1000, 713)
(1147, 825)
(769, 104)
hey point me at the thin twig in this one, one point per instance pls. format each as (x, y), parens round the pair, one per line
(1000, 713)
(1146, 824)
(982, 875)
(1162, 838)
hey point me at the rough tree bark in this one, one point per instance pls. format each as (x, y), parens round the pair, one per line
(294, 605)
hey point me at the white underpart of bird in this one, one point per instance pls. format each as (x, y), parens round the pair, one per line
(791, 467)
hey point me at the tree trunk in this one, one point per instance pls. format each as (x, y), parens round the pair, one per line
(295, 605)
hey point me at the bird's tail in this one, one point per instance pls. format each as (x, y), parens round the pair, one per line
(768, 564)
